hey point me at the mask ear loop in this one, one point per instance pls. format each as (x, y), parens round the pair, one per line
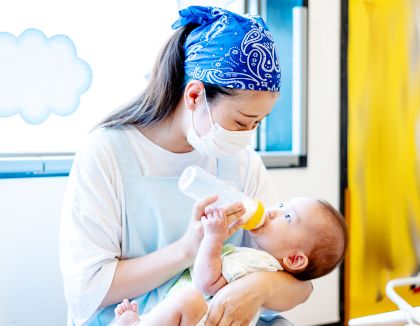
(207, 106)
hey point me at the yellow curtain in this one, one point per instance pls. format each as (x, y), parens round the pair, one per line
(383, 158)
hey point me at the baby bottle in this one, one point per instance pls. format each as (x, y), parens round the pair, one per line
(198, 184)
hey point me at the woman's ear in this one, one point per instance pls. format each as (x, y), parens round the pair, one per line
(193, 90)
(295, 262)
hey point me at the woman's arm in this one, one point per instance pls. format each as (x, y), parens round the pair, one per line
(283, 292)
(91, 234)
(240, 300)
(137, 276)
(134, 277)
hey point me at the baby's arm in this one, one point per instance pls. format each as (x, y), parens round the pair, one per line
(207, 275)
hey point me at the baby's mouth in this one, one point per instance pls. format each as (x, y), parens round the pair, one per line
(256, 231)
(267, 219)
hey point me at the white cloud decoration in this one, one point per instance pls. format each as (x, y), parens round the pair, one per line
(40, 75)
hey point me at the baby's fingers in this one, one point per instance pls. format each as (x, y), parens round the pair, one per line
(221, 214)
(210, 213)
(203, 219)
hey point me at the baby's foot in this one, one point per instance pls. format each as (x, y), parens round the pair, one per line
(126, 313)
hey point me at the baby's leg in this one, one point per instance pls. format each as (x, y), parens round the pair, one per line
(184, 308)
(126, 313)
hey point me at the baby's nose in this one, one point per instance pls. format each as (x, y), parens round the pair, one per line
(270, 214)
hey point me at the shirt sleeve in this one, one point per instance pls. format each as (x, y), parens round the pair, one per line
(90, 230)
(243, 261)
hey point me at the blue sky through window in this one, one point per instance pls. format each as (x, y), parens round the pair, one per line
(279, 123)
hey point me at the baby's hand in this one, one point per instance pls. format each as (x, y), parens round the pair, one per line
(215, 223)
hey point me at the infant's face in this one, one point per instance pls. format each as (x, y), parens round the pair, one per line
(288, 226)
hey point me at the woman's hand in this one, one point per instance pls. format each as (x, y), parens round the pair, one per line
(192, 237)
(238, 302)
(194, 234)
(233, 213)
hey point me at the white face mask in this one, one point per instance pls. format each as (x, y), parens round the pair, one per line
(218, 141)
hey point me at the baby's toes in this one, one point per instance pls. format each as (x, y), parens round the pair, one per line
(123, 306)
(135, 307)
(126, 304)
(118, 310)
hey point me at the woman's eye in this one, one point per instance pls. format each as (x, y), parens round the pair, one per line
(240, 124)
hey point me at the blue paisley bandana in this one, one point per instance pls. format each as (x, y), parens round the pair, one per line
(230, 50)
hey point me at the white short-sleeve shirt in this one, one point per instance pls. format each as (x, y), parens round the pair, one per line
(91, 232)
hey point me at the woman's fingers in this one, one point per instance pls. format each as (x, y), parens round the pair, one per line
(231, 218)
(225, 320)
(235, 208)
(233, 227)
(237, 323)
(200, 206)
(215, 314)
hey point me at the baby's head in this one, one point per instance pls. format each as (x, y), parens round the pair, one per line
(308, 236)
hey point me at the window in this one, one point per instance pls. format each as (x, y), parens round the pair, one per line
(77, 73)
(282, 136)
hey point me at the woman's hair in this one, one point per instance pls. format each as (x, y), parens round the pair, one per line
(165, 89)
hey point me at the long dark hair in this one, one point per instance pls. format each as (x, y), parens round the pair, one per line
(165, 89)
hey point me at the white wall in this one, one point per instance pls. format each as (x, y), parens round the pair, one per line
(321, 178)
(31, 291)
(30, 282)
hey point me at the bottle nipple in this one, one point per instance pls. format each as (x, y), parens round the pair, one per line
(254, 214)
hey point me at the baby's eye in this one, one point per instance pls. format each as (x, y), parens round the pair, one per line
(288, 218)
(281, 205)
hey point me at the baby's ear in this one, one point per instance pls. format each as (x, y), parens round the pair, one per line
(295, 262)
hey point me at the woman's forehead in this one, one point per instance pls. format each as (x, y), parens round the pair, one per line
(251, 103)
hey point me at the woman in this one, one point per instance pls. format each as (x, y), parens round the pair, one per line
(126, 231)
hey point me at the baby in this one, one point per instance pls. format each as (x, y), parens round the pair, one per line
(305, 237)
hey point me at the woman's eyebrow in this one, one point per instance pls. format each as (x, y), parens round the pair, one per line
(248, 115)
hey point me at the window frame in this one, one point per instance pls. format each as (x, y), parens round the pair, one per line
(297, 157)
